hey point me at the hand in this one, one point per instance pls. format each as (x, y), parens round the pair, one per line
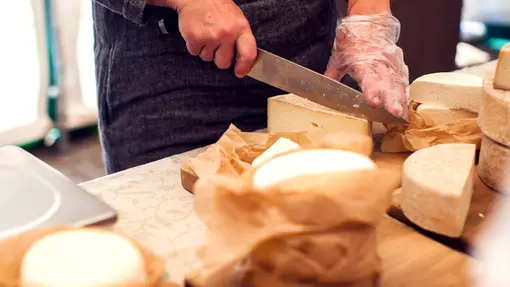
(365, 48)
(213, 29)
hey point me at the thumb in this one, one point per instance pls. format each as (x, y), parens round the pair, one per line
(334, 73)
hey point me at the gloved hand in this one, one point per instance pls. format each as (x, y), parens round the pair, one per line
(365, 48)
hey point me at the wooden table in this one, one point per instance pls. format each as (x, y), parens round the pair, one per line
(155, 210)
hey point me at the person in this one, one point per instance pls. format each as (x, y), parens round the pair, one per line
(163, 94)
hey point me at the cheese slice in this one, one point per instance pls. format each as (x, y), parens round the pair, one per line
(282, 145)
(291, 113)
(437, 186)
(451, 90)
(502, 77)
(494, 117)
(308, 162)
(442, 115)
(494, 165)
(82, 258)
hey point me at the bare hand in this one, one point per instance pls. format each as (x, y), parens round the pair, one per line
(214, 29)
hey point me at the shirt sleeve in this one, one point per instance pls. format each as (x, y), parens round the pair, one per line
(131, 9)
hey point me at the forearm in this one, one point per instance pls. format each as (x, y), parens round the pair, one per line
(364, 7)
(130, 9)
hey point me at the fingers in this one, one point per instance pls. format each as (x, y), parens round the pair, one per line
(224, 56)
(207, 52)
(246, 53)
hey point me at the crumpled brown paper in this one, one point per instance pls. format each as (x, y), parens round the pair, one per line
(14, 248)
(308, 231)
(235, 150)
(422, 132)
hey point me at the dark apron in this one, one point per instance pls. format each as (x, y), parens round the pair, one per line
(155, 100)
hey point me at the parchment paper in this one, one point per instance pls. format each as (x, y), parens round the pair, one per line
(422, 132)
(14, 248)
(308, 231)
(235, 150)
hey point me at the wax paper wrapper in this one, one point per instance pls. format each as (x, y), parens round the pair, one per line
(422, 132)
(13, 249)
(235, 150)
(314, 230)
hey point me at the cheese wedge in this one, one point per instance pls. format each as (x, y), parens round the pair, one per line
(291, 113)
(437, 186)
(494, 165)
(82, 258)
(494, 117)
(450, 90)
(502, 77)
(442, 115)
(308, 162)
(282, 145)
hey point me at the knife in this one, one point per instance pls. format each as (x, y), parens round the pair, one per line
(293, 78)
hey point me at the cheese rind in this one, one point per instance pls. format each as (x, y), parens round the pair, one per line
(502, 77)
(82, 258)
(437, 186)
(291, 113)
(308, 162)
(282, 145)
(451, 90)
(494, 165)
(442, 115)
(494, 117)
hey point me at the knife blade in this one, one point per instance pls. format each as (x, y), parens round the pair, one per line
(293, 78)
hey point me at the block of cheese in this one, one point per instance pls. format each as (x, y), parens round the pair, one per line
(442, 115)
(437, 186)
(308, 162)
(502, 77)
(494, 117)
(82, 258)
(291, 113)
(450, 90)
(494, 165)
(282, 145)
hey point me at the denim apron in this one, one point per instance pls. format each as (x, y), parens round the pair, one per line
(155, 100)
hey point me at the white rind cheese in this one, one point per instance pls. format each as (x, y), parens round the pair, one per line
(442, 115)
(291, 113)
(494, 165)
(82, 258)
(451, 90)
(308, 162)
(282, 145)
(494, 118)
(437, 186)
(502, 77)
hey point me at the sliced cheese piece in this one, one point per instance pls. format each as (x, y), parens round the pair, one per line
(494, 165)
(437, 186)
(282, 145)
(308, 162)
(451, 90)
(291, 113)
(494, 117)
(82, 258)
(502, 77)
(442, 115)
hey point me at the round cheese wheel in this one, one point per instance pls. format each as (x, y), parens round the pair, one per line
(494, 165)
(494, 117)
(82, 258)
(308, 162)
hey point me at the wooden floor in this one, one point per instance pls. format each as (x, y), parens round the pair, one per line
(81, 162)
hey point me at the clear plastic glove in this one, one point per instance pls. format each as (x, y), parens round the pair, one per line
(365, 48)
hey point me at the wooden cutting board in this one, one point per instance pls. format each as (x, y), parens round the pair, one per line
(481, 207)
